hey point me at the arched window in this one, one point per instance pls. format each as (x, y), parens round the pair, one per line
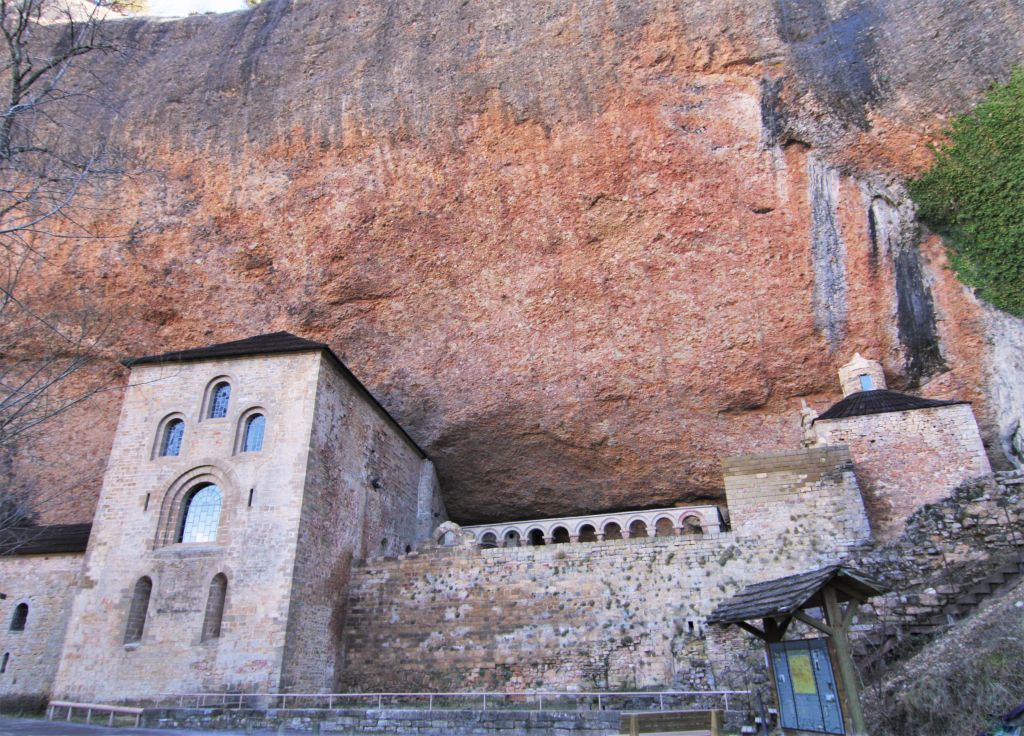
(20, 617)
(215, 607)
(560, 535)
(137, 611)
(512, 538)
(638, 529)
(489, 540)
(588, 533)
(219, 400)
(201, 516)
(174, 433)
(252, 438)
(3, 662)
(536, 537)
(612, 531)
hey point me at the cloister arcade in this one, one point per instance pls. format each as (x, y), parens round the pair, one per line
(676, 521)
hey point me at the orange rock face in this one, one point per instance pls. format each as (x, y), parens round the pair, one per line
(579, 252)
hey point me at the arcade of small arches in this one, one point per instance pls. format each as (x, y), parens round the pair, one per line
(677, 521)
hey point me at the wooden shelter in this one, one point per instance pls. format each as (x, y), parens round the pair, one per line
(805, 671)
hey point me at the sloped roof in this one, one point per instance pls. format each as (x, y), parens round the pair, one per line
(880, 401)
(42, 540)
(273, 342)
(784, 596)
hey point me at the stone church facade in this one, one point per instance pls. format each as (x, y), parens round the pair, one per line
(249, 483)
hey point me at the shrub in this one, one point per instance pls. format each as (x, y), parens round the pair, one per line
(973, 195)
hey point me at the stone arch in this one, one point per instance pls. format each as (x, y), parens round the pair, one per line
(612, 530)
(173, 503)
(536, 537)
(691, 524)
(560, 535)
(586, 533)
(138, 610)
(512, 538)
(19, 618)
(637, 528)
(447, 534)
(489, 539)
(214, 615)
(663, 527)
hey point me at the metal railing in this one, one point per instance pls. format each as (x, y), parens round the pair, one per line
(90, 708)
(526, 700)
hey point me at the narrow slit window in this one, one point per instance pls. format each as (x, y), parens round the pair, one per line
(219, 400)
(254, 428)
(174, 433)
(215, 607)
(137, 611)
(3, 662)
(202, 515)
(20, 617)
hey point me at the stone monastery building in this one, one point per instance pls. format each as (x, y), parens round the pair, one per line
(266, 526)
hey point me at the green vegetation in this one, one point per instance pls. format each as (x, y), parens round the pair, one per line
(974, 195)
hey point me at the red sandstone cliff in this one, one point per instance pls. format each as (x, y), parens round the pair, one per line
(580, 250)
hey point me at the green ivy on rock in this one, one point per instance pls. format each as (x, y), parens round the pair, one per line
(973, 195)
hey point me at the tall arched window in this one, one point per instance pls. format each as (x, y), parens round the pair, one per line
(215, 607)
(174, 433)
(252, 439)
(219, 400)
(20, 617)
(137, 611)
(201, 515)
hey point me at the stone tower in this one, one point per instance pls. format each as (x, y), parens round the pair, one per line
(244, 480)
(861, 374)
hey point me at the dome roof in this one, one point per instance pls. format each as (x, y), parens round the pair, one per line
(880, 401)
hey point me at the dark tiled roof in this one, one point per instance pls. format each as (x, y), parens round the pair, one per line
(786, 595)
(44, 540)
(274, 342)
(880, 401)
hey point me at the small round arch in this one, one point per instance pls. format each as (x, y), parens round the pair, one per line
(587, 533)
(488, 540)
(664, 527)
(19, 619)
(536, 537)
(251, 435)
(217, 398)
(692, 524)
(637, 528)
(170, 436)
(613, 530)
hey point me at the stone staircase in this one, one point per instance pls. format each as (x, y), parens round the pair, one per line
(913, 618)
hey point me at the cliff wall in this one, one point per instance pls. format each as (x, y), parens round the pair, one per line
(579, 250)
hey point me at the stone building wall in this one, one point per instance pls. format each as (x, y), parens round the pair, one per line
(255, 546)
(618, 614)
(363, 488)
(909, 458)
(46, 583)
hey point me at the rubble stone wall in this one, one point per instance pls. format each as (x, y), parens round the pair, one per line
(618, 614)
(909, 458)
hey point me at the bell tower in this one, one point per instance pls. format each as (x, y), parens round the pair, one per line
(861, 374)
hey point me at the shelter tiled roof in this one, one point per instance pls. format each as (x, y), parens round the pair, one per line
(784, 596)
(880, 401)
(42, 540)
(274, 342)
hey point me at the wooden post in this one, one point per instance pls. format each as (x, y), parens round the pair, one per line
(844, 660)
(716, 723)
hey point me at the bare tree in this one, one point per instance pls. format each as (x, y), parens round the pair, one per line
(51, 164)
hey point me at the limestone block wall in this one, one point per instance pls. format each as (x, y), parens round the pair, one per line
(909, 458)
(362, 498)
(618, 614)
(46, 583)
(134, 531)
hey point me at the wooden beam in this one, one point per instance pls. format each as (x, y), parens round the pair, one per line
(844, 661)
(851, 610)
(813, 622)
(752, 629)
(842, 588)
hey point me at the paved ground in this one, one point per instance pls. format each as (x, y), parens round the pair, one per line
(32, 727)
